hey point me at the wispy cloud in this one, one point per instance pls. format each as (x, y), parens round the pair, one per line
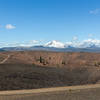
(10, 26)
(90, 35)
(95, 11)
(23, 44)
(34, 42)
(75, 38)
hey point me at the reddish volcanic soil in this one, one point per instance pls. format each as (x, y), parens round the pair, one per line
(56, 59)
(40, 69)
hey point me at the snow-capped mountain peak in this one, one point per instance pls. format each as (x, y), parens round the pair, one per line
(89, 43)
(83, 44)
(55, 44)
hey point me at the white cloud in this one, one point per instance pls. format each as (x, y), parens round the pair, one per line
(23, 44)
(89, 43)
(95, 11)
(10, 26)
(30, 43)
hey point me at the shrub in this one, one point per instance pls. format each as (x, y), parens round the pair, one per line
(97, 64)
(41, 59)
(63, 62)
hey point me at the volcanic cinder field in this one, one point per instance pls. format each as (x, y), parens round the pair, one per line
(42, 69)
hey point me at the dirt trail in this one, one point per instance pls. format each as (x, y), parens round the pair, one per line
(48, 90)
(5, 59)
(86, 92)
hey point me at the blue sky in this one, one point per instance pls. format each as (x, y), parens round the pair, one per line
(46, 20)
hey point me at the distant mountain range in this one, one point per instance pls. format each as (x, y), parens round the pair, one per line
(86, 46)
